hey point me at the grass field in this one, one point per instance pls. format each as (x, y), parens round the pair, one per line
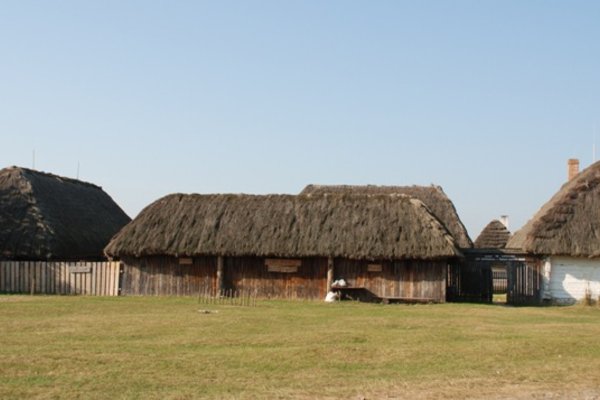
(164, 348)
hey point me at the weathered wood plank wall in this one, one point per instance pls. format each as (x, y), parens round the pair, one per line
(397, 279)
(524, 283)
(40, 277)
(251, 274)
(165, 276)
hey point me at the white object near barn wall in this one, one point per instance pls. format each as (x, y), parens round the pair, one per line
(571, 279)
(546, 275)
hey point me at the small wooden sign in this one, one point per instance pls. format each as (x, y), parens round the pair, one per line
(283, 262)
(285, 265)
(285, 270)
(374, 268)
(185, 261)
(80, 269)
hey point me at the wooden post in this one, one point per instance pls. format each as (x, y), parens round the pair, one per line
(329, 273)
(32, 280)
(220, 278)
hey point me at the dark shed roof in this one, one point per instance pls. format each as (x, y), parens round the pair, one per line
(433, 197)
(45, 216)
(286, 226)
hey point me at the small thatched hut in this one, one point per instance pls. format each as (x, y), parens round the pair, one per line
(486, 255)
(285, 246)
(48, 217)
(432, 196)
(493, 236)
(564, 235)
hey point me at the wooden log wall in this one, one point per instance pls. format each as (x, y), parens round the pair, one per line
(251, 274)
(418, 280)
(68, 278)
(166, 276)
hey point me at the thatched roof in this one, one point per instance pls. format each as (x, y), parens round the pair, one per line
(433, 197)
(45, 216)
(359, 227)
(493, 236)
(568, 224)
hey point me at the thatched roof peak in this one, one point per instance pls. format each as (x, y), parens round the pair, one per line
(433, 196)
(568, 224)
(28, 172)
(360, 227)
(46, 216)
(493, 236)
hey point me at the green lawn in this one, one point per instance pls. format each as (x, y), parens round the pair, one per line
(164, 348)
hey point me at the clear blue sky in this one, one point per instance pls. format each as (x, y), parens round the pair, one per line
(486, 98)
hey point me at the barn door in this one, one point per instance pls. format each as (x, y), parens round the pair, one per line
(524, 282)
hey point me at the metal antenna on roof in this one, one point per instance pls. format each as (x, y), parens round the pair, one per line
(77, 170)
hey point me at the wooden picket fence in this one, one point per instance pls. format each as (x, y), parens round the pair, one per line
(69, 278)
(228, 297)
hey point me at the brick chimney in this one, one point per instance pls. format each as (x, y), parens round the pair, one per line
(573, 167)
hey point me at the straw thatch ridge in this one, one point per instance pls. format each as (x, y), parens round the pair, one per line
(568, 224)
(433, 197)
(493, 236)
(359, 227)
(45, 216)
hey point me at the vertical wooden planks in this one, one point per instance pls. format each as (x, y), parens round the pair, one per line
(2, 278)
(42, 268)
(23, 280)
(116, 270)
(110, 279)
(524, 282)
(220, 273)
(55, 277)
(15, 279)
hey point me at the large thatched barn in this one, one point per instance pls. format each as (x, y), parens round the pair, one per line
(432, 196)
(564, 236)
(285, 246)
(48, 217)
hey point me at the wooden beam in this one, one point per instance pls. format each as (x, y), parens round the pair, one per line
(329, 273)
(220, 277)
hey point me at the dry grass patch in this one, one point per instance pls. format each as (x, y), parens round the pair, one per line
(156, 348)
